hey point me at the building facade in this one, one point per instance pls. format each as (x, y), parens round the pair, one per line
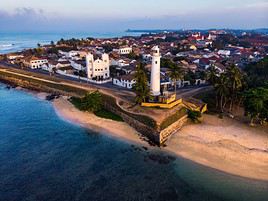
(34, 62)
(98, 69)
(155, 72)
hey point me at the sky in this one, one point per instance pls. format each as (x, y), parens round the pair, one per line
(119, 15)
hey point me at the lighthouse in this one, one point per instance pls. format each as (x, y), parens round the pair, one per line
(155, 72)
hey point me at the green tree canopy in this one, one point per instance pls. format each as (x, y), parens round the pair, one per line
(141, 86)
(256, 104)
(92, 102)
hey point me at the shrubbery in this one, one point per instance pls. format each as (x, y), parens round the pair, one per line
(93, 102)
(194, 116)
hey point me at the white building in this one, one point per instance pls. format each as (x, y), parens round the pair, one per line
(225, 53)
(70, 54)
(98, 69)
(54, 65)
(78, 64)
(124, 50)
(126, 81)
(155, 72)
(14, 56)
(34, 62)
(119, 62)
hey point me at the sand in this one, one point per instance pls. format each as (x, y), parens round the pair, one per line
(226, 145)
(120, 130)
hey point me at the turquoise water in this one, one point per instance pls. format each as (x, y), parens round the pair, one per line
(11, 42)
(44, 158)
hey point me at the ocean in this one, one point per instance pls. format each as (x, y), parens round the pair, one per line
(45, 158)
(12, 42)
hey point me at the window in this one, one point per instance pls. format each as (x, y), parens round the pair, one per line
(156, 62)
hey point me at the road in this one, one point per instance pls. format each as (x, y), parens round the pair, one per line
(127, 94)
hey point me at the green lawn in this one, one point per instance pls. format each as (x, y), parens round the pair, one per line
(108, 115)
(103, 113)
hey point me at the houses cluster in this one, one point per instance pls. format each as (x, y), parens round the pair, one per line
(115, 60)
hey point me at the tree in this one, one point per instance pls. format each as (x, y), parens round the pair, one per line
(256, 104)
(235, 77)
(190, 76)
(222, 91)
(176, 73)
(257, 73)
(92, 102)
(141, 86)
(212, 75)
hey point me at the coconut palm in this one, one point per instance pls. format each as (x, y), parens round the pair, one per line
(222, 90)
(212, 75)
(236, 79)
(176, 73)
(141, 86)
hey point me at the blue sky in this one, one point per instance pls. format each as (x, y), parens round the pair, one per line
(104, 15)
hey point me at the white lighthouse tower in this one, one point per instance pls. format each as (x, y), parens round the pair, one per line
(155, 71)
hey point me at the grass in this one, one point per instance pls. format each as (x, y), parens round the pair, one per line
(173, 118)
(103, 113)
(141, 118)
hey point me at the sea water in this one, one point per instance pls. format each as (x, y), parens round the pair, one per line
(44, 158)
(12, 42)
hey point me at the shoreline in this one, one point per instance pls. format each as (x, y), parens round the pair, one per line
(120, 130)
(225, 145)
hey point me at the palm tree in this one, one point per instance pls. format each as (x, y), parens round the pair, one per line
(222, 90)
(235, 76)
(212, 75)
(176, 73)
(141, 86)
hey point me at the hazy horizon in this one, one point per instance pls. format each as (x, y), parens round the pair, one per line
(107, 16)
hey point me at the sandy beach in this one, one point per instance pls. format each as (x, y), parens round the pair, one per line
(226, 145)
(120, 130)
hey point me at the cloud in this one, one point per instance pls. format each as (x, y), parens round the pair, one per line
(37, 20)
(21, 19)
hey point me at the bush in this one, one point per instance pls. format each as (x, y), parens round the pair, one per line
(92, 102)
(194, 116)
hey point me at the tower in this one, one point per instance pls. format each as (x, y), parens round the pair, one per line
(155, 71)
(89, 65)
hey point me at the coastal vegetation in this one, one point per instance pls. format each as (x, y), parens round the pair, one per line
(194, 116)
(175, 73)
(247, 89)
(93, 102)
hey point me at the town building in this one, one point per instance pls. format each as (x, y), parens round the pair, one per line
(124, 50)
(98, 69)
(34, 62)
(126, 81)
